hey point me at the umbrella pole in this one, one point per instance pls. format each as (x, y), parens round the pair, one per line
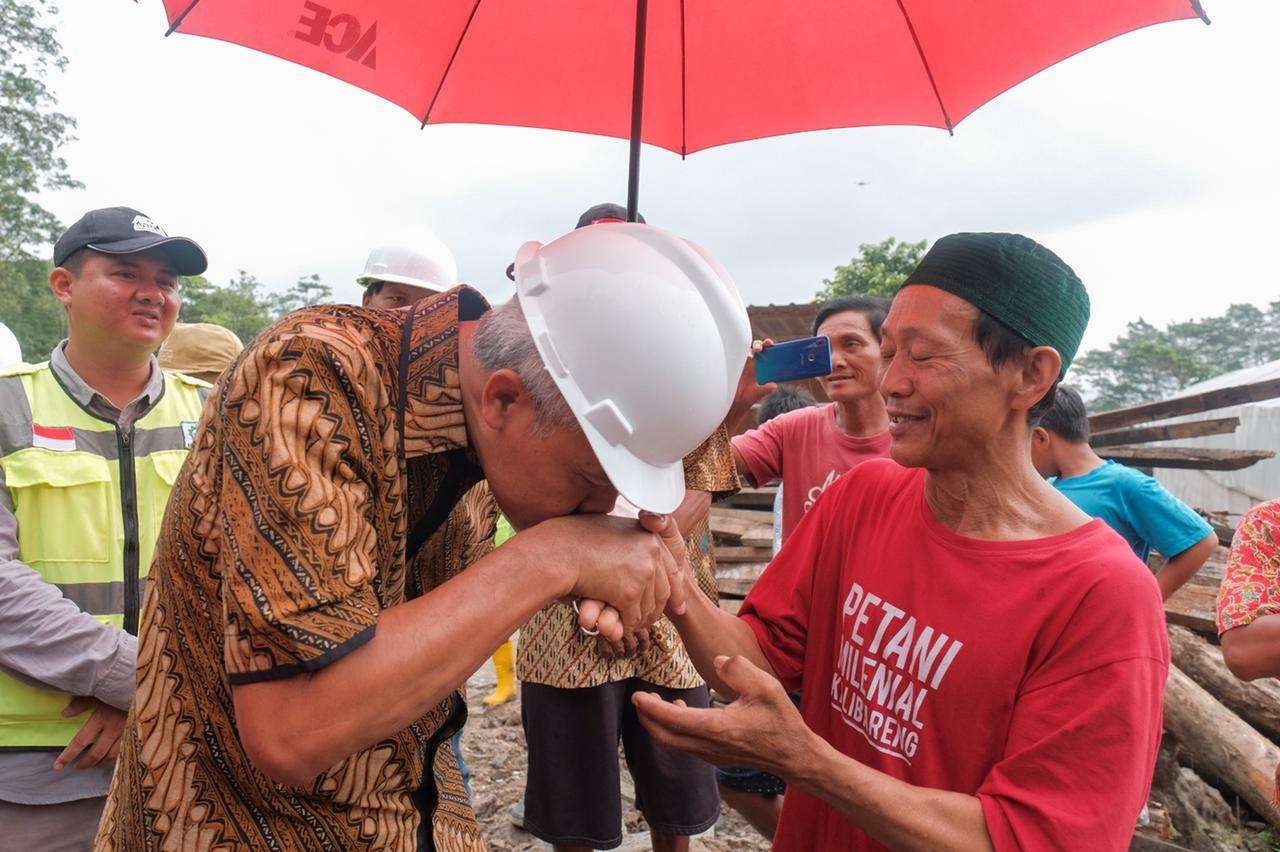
(637, 112)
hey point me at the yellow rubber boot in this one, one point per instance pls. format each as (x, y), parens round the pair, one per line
(504, 662)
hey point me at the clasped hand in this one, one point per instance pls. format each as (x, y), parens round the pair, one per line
(628, 578)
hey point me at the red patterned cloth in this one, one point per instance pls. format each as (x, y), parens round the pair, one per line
(1251, 587)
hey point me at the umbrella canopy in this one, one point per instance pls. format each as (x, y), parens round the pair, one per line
(680, 74)
(716, 71)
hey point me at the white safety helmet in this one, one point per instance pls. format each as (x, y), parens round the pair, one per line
(10, 350)
(645, 335)
(431, 265)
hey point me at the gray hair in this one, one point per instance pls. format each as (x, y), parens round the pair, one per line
(503, 342)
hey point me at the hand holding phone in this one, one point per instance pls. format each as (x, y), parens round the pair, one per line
(805, 358)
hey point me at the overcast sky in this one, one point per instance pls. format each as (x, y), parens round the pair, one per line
(1149, 163)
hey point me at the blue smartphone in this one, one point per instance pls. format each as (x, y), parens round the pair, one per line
(805, 358)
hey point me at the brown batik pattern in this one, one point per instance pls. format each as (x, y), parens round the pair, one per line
(553, 651)
(283, 540)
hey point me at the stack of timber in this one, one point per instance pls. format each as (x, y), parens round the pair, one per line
(742, 532)
(1134, 435)
(1222, 736)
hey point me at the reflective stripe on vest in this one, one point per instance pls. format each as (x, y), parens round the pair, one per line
(89, 498)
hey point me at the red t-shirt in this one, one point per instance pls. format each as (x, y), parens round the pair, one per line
(807, 451)
(1028, 673)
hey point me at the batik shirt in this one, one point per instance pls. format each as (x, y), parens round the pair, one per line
(326, 484)
(1251, 588)
(553, 651)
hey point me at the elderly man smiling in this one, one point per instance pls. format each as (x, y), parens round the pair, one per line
(981, 663)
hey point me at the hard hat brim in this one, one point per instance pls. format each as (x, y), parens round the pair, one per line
(653, 488)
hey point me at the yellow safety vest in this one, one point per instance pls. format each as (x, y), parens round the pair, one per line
(89, 498)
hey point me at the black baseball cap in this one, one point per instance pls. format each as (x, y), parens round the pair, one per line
(606, 212)
(123, 230)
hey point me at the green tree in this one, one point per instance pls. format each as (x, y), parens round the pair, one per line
(241, 305)
(1148, 363)
(31, 130)
(244, 304)
(28, 307)
(878, 270)
(306, 291)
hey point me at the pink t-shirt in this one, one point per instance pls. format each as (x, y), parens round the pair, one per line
(807, 451)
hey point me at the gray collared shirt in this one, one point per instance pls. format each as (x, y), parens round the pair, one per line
(47, 639)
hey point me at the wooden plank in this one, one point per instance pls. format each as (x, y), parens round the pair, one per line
(730, 553)
(1194, 607)
(737, 580)
(755, 516)
(1187, 458)
(752, 498)
(1193, 404)
(741, 527)
(730, 528)
(1172, 432)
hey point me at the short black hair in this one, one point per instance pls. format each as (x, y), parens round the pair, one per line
(874, 308)
(1001, 345)
(374, 289)
(781, 401)
(77, 259)
(1067, 416)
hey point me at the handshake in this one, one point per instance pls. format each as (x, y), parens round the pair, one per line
(624, 574)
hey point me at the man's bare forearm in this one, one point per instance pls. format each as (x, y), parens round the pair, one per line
(708, 631)
(1253, 651)
(422, 650)
(897, 814)
(1181, 568)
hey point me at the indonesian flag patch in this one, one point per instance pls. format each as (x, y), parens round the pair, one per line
(60, 438)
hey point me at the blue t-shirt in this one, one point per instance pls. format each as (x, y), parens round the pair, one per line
(1136, 506)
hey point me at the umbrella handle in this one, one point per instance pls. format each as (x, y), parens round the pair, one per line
(637, 111)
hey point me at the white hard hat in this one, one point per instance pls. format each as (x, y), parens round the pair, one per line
(431, 265)
(645, 335)
(10, 350)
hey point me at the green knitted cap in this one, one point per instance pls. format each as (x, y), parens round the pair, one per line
(1014, 279)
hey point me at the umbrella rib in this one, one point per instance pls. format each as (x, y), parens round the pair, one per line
(684, 143)
(927, 70)
(178, 22)
(1199, 10)
(449, 67)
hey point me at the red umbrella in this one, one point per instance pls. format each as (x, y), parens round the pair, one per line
(681, 75)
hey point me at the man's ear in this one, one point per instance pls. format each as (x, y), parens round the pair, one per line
(504, 403)
(1039, 371)
(60, 280)
(1040, 436)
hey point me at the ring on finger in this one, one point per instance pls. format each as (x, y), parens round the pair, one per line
(584, 630)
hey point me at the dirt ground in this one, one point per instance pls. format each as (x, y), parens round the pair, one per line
(493, 744)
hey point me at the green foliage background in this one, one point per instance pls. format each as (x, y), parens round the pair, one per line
(1146, 363)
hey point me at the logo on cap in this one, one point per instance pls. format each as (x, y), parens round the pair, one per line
(142, 223)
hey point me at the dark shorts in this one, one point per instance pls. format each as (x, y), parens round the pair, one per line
(574, 792)
(754, 780)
